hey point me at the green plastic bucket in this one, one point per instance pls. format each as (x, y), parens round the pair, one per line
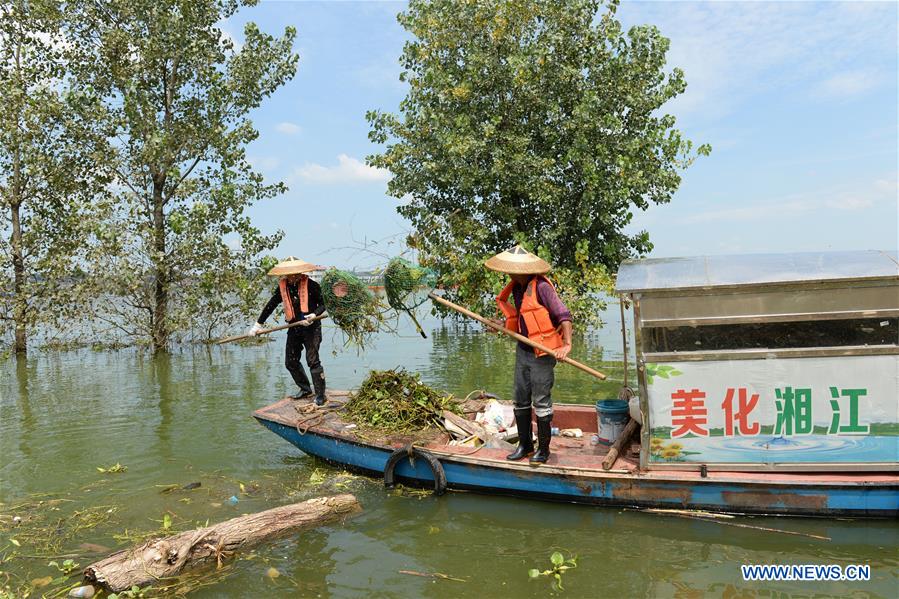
(611, 418)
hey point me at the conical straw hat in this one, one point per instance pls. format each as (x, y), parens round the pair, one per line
(291, 266)
(518, 261)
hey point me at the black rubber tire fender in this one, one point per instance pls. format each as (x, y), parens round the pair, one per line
(411, 453)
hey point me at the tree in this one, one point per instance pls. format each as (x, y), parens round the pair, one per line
(47, 179)
(177, 95)
(530, 121)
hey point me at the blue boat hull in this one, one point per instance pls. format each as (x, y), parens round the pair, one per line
(635, 490)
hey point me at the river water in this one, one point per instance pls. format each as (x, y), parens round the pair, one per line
(185, 418)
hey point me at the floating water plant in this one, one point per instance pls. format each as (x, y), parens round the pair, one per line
(116, 469)
(559, 566)
(67, 567)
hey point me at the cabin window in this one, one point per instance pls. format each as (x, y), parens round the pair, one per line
(774, 335)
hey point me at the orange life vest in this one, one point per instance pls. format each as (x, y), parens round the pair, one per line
(302, 291)
(536, 316)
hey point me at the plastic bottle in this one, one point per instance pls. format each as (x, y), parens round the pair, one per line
(554, 431)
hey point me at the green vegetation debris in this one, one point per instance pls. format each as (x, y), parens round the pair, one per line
(402, 281)
(351, 305)
(67, 567)
(559, 566)
(134, 591)
(396, 401)
(117, 469)
(407, 285)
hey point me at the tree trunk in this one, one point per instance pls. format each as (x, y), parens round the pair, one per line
(18, 255)
(18, 266)
(169, 556)
(161, 275)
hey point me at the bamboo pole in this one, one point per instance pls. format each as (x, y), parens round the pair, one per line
(501, 329)
(713, 519)
(623, 438)
(271, 330)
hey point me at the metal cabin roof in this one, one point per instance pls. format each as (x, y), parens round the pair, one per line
(709, 272)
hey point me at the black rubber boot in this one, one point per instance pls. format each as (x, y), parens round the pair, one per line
(525, 438)
(318, 381)
(544, 434)
(303, 394)
(299, 377)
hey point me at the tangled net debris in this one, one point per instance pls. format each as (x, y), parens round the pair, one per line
(396, 401)
(404, 283)
(351, 305)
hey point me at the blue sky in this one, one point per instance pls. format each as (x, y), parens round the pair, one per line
(798, 100)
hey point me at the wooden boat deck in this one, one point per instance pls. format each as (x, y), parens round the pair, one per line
(569, 455)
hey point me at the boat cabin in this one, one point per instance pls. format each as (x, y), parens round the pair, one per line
(767, 362)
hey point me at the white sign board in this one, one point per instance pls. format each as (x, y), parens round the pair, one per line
(790, 410)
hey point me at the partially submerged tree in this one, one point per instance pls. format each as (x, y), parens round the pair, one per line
(48, 182)
(177, 94)
(530, 121)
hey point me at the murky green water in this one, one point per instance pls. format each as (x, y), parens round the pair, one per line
(186, 418)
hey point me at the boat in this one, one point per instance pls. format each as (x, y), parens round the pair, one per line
(766, 385)
(575, 474)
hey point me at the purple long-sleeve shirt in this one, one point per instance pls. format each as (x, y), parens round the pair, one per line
(548, 298)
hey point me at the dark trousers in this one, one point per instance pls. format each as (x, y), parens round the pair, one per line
(534, 378)
(298, 339)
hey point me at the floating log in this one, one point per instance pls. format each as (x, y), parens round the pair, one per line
(170, 556)
(618, 444)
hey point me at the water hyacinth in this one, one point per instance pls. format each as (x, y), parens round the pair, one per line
(397, 401)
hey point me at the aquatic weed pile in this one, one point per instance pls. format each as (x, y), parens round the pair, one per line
(351, 305)
(396, 401)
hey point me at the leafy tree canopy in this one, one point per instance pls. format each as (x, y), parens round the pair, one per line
(177, 95)
(48, 179)
(531, 121)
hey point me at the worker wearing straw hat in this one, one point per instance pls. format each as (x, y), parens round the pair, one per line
(540, 315)
(302, 301)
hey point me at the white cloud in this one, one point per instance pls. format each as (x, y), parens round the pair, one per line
(854, 199)
(347, 170)
(850, 203)
(849, 83)
(756, 211)
(731, 51)
(264, 163)
(288, 128)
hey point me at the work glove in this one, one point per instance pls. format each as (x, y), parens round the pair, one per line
(307, 320)
(255, 329)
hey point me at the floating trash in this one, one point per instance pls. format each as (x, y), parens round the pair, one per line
(85, 591)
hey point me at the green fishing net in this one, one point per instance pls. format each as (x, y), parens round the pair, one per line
(407, 286)
(351, 305)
